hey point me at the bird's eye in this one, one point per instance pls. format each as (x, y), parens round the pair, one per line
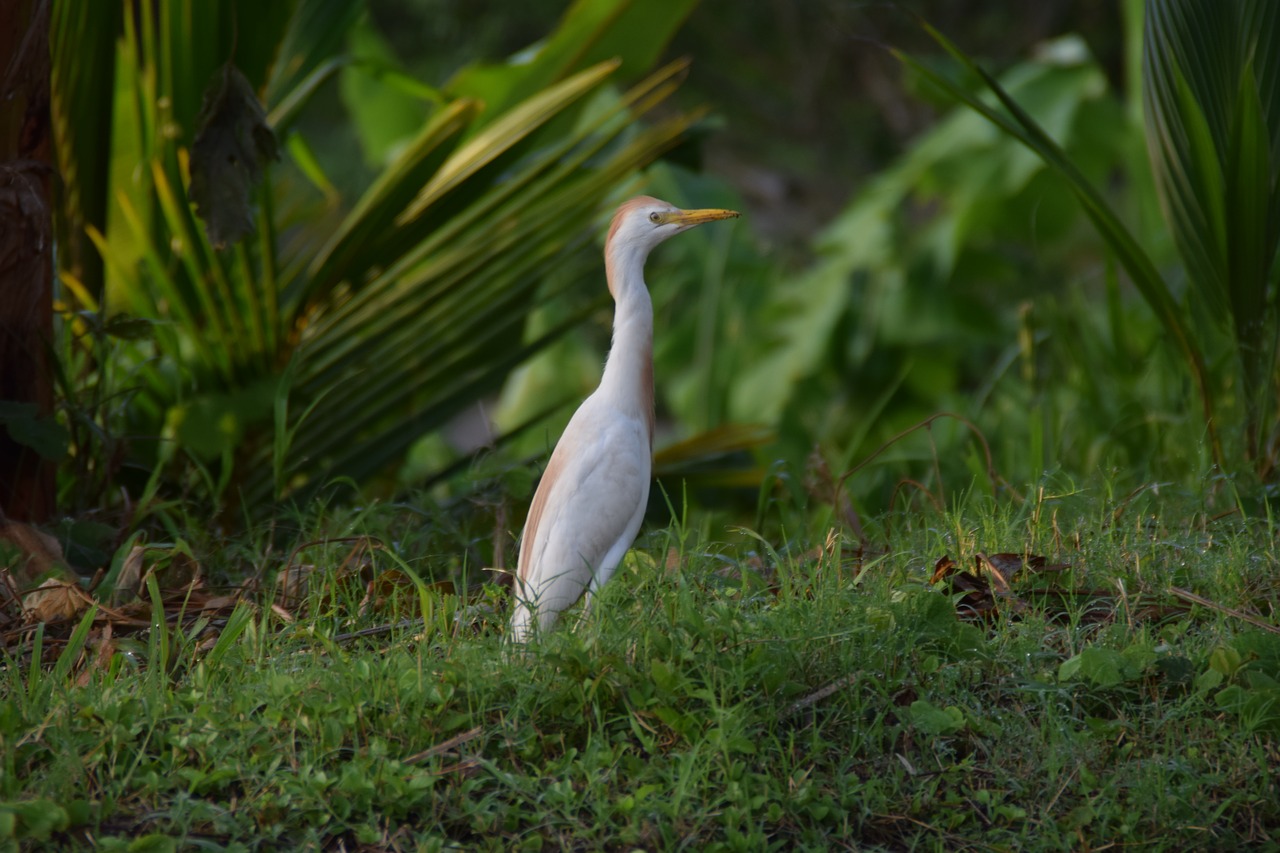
(655, 217)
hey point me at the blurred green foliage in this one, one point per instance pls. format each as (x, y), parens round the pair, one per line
(900, 259)
(287, 338)
(1212, 110)
(927, 289)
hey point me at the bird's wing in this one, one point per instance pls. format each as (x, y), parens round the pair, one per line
(591, 497)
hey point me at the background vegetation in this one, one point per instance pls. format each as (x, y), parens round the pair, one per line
(968, 435)
(395, 220)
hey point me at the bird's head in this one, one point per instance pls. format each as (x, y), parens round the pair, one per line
(644, 222)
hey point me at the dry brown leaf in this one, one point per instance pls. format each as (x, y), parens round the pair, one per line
(129, 581)
(285, 615)
(8, 591)
(106, 647)
(292, 584)
(53, 601)
(41, 553)
(997, 581)
(182, 573)
(383, 587)
(1000, 570)
(945, 567)
(393, 581)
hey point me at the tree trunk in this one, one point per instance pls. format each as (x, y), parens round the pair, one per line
(26, 250)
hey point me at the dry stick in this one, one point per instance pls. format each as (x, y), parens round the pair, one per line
(457, 740)
(97, 579)
(818, 695)
(378, 629)
(1131, 497)
(1186, 595)
(926, 424)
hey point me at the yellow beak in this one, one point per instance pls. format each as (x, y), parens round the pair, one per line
(689, 218)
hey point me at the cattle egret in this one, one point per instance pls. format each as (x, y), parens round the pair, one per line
(588, 507)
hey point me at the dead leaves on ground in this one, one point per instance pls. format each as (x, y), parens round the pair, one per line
(986, 588)
(36, 584)
(150, 575)
(1016, 584)
(167, 581)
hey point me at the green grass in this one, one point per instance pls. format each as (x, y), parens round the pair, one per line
(718, 699)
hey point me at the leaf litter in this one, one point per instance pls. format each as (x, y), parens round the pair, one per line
(170, 576)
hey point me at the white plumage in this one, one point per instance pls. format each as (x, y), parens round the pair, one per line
(591, 500)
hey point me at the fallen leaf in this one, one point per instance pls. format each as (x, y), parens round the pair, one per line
(39, 554)
(383, 587)
(129, 581)
(106, 647)
(53, 601)
(180, 573)
(292, 583)
(999, 569)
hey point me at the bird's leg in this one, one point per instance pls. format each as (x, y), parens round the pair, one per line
(585, 615)
(589, 597)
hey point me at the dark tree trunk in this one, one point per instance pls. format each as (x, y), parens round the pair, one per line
(26, 249)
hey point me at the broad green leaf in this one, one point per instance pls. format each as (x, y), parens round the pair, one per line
(211, 424)
(27, 427)
(1250, 196)
(1102, 667)
(83, 53)
(316, 32)
(354, 243)
(384, 114)
(460, 338)
(1015, 121)
(932, 720)
(406, 310)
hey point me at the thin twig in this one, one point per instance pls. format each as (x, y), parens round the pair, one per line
(378, 629)
(1191, 597)
(818, 695)
(455, 741)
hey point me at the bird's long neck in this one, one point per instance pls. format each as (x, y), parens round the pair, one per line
(628, 373)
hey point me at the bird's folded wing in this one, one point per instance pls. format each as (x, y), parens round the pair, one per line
(598, 488)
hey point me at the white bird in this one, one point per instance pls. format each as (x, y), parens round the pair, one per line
(592, 497)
